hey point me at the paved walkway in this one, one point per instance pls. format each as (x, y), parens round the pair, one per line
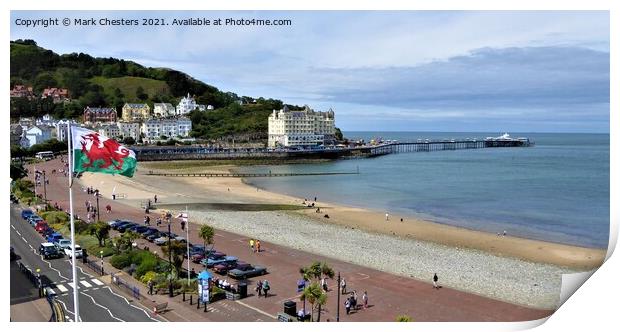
(389, 295)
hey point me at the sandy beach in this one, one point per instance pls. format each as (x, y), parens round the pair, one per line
(521, 271)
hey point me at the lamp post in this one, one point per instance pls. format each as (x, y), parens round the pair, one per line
(101, 253)
(39, 284)
(338, 302)
(170, 289)
(97, 196)
(44, 190)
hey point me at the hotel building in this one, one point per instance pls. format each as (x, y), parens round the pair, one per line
(300, 128)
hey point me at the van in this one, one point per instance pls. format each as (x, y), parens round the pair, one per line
(49, 250)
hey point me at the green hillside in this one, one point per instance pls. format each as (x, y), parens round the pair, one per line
(112, 82)
(128, 86)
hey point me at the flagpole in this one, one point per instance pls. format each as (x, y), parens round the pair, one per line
(188, 258)
(76, 304)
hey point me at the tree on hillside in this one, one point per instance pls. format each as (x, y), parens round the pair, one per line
(316, 297)
(206, 233)
(140, 94)
(101, 231)
(44, 80)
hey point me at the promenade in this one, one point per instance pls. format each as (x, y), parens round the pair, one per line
(389, 295)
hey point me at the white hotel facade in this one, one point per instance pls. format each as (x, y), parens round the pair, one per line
(300, 128)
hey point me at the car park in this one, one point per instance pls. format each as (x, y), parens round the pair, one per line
(115, 222)
(248, 271)
(223, 268)
(138, 229)
(63, 243)
(48, 250)
(160, 241)
(210, 262)
(78, 251)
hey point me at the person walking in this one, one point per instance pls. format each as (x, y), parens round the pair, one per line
(324, 284)
(343, 286)
(155, 199)
(257, 245)
(259, 288)
(347, 306)
(108, 208)
(150, 284)
(365, 299)
(252, 244)
(182, 225)
(435, 279)
(266, 287)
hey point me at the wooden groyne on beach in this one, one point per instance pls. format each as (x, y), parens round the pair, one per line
(208, 153)
(248, 175)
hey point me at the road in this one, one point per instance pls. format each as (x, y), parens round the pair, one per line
(98, 302)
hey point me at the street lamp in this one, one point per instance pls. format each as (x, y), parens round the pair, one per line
(170, 289)
(101, 253)
(44, 189)
(96, 195)
(40, 284)
(338, 301)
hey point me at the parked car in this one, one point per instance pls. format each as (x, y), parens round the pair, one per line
(41, 226)
(138, 229)
(211, 255)
(223, 268)
(247, 271)
(49, 250)
(62, 244)
(34, 219)
(180, 239)
(210, 262)
(149, 232)
(27, 213)
(78, 251)
(54, 238)
(154, 236)
(115, 222)
(121, 223)
(126, 226)
(160, 241)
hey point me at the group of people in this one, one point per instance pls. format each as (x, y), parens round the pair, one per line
(351, 302)
(255, 245)
(262, 288)
(225, 285)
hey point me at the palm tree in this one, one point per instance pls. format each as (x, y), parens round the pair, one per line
(129, 237)
(317, 298)
(177, 251)
(314, 273)
(206, 233)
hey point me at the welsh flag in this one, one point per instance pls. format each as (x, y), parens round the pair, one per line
(93, 152)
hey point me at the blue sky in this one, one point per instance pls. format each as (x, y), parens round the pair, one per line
(526, 71)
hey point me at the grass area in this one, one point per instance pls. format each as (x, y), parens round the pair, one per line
(128, 86)
(231, 207)
(198, 164)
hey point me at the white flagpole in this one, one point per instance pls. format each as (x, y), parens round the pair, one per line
(188, 258)
(76, 304)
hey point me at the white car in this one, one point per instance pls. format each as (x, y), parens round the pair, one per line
(78, 251)
(63, 244)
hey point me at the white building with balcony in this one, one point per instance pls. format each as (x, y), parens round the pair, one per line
(163, 110)
(129, 129)
(301, 128)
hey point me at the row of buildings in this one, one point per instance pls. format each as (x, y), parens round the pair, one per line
(58, 95)
(136, 112)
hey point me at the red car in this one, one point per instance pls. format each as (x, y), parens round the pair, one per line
(223, 268)
(41, 226)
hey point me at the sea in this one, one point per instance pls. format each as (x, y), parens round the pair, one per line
(556, 190)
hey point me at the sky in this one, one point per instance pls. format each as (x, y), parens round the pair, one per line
(486, 71)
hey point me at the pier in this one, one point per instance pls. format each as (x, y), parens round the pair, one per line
(207, 153)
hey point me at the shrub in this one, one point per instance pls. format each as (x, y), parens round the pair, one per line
(120, 261)
(55, 217)
(147, 264)
(151, 275)
(81, 227)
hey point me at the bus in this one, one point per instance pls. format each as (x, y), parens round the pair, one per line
(45, 155)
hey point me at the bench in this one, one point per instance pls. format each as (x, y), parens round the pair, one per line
(160, 308)
(283, 317)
